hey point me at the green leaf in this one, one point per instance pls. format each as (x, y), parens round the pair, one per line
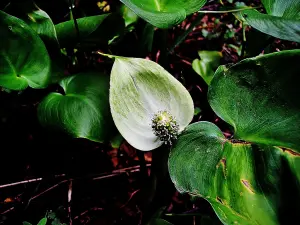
(43, 221)
(283, 8)
(208, 63)
(252, 178)
(164, 13)
(282, 20)
(36, 18)
(159, 221)
(245, 183)
(24, 60)
(26, 223)
(83, 109)
(93, 28)
(139, 89)
(129, 16)
(258, 97)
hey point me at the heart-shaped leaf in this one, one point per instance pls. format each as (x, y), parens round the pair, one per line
(83, 110)
(164, 13)
(24, 60)
(254, 177)
(139, 89)
(99, 28)
(282, 20)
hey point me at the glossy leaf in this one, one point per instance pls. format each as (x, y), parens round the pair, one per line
(83, 110)
(254, 177)
(258, 97)
(282, 19)
(140, 88)
(24, 60)
(162, 13)
(282, 8)
(98, 28)
(245, 183)
(207, 64)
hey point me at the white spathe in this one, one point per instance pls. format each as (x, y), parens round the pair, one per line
(140, 88)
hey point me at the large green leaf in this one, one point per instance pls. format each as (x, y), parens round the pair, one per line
(282, 20)
(83, 109)
(98, 28)
(245, 183)
(254, 177)
(164, 13)
(139, 89)
(259, 98)
(24, 60)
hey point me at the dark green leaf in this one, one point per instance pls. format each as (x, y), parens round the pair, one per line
(162, 13)
(83, 109)
(37, 19)
(159, 221)
(24, 60)
(93, 29)
(26, 223)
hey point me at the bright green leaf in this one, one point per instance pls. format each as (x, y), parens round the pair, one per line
(282, 20)
(164, 13)
(93, 28)
(83, 109)
(24, 60)
(129, 16)
(139, 89)
(254, 177)
(208, 63)
(259, 98)
(43, 221)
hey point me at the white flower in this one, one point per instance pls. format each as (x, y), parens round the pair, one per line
(143, 93)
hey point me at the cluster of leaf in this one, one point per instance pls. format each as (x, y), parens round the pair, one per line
(250, 178)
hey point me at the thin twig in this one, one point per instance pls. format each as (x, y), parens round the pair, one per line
(70, 201)
(113, 173)
(28, 181)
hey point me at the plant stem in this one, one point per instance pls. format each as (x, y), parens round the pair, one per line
(164, 188)
(226, 11)
(182, 37)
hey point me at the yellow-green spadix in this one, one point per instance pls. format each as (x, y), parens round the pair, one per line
(148, 105)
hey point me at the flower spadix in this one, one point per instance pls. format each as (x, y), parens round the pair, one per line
(148, 105)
